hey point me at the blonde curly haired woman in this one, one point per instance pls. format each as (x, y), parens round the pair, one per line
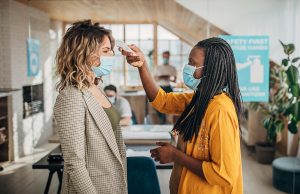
(87, 123)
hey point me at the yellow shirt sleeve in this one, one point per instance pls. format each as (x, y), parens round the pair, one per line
(224, 148)
(171, 103)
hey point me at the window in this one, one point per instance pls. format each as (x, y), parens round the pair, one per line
(117, 77)
(179, 50)
(142, 35)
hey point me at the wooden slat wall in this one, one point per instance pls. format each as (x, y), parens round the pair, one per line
(168, 13)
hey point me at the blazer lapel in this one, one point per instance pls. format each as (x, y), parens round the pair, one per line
(102, 122)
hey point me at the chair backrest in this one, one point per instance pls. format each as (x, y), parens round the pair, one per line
(133, 118)
(141, 176)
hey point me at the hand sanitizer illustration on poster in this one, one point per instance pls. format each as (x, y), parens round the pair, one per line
(252, 62)
(256, 68)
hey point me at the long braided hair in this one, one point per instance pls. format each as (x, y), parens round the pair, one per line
(219, 73)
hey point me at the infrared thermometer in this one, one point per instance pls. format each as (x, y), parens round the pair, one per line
(124, 46)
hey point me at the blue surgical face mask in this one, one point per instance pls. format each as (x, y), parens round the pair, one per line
(105, 68)
(165, 61)
(188, 76)
(112, 99)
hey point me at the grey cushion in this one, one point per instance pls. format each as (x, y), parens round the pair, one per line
(290, 164)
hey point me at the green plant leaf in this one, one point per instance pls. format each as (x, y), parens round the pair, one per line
(266, 123)
(271, 133)
(294, 110)
(285, 62)
(296, 114)
(289, 110)
(283, 45)
(295, 59)
(288, 48)
(293, 127)
(279, 126)
(295, 90)
(271, 127)
(293, 74)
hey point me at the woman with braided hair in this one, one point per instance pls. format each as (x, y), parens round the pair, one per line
(208, 156)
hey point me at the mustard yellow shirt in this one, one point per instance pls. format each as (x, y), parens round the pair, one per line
(217, 145)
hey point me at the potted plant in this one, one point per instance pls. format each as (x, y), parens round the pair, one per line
(292, 113)
(283, 108)
(274, 120)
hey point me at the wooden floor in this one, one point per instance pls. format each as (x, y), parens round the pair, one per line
(257, 178)
(24, 180)
(19, 177)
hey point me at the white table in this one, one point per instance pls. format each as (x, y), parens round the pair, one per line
(139, 134)
(139, 139)
(146, 134)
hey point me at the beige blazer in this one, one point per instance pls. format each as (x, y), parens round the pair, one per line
(95, 156)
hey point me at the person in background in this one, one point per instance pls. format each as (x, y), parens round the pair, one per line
(121, 104)
(164, 75)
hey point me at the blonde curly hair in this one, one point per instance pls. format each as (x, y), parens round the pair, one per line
(72, 58)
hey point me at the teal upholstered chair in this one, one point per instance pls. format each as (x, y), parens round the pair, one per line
(142, 176)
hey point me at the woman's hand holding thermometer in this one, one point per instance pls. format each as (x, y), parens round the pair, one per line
(133, 54)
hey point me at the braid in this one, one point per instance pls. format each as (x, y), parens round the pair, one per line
(219, 74)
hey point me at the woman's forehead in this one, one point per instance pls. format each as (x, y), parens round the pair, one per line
(197, 53)
(106, 43)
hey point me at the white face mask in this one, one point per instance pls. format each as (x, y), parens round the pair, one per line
(112, 99)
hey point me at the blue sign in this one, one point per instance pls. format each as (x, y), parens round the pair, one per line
(252, 62)
(33, 57)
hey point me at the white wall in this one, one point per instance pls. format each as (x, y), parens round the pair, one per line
(280, 19)
(4, 41)
(57, 33)
(295, 25)
(18, 22)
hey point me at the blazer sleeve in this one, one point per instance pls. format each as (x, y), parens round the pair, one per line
(171, 103)
(69, 113)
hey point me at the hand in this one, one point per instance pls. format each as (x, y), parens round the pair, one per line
(136, 59)
(163, 154)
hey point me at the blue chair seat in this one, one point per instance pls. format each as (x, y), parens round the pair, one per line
(141, 175)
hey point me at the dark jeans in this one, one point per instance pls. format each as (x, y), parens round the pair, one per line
(162, 117)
